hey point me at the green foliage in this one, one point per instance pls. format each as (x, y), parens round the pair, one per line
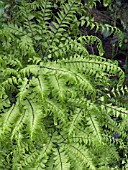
(59, 105)
(3, 15)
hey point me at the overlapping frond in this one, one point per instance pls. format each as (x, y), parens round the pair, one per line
(60, 106)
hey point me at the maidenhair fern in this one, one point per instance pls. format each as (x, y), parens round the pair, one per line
(60, 106)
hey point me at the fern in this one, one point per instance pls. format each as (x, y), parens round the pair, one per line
(59, 107)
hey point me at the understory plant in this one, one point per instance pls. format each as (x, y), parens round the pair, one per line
(61, 108)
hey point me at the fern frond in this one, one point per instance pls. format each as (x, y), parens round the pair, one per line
(60, 106)
(82, 155)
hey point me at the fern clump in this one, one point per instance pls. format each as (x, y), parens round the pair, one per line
(58, 103)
